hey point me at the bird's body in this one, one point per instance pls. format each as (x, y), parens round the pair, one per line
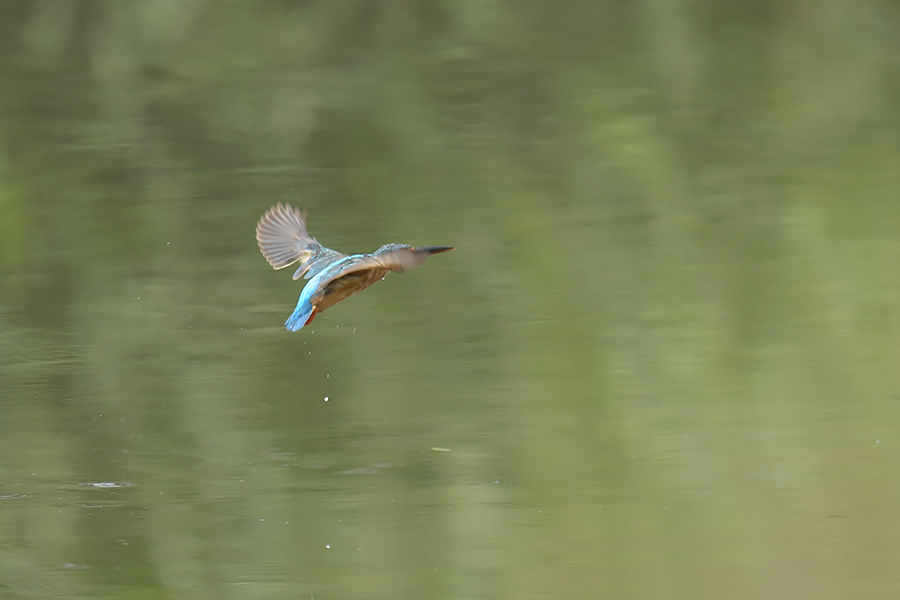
(283, 241)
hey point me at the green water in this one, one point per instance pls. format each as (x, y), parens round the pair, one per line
(663, 362)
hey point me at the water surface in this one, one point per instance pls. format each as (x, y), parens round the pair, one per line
(662, 362)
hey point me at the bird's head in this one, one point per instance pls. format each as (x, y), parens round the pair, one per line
(400, 257)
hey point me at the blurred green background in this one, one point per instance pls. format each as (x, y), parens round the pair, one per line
(664, 361)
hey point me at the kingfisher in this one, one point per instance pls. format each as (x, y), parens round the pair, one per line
(283, 240)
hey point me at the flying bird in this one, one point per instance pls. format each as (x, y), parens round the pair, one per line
(283, 240)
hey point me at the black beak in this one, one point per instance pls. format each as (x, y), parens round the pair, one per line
(435, 249)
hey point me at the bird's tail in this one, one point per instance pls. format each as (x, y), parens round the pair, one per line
(301, 316)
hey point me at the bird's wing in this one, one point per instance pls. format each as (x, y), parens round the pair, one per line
(398, 259)
(283, 240)
(392, 260)
(319, 262)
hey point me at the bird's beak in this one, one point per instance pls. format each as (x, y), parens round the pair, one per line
(435, 249)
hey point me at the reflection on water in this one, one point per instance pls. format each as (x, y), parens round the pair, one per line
(661, 362)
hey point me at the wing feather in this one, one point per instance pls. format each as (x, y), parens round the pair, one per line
(400, 258)
(283, 240)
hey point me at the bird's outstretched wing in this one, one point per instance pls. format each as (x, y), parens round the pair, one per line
(393, 257)
(283, 240)
(400, 257)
